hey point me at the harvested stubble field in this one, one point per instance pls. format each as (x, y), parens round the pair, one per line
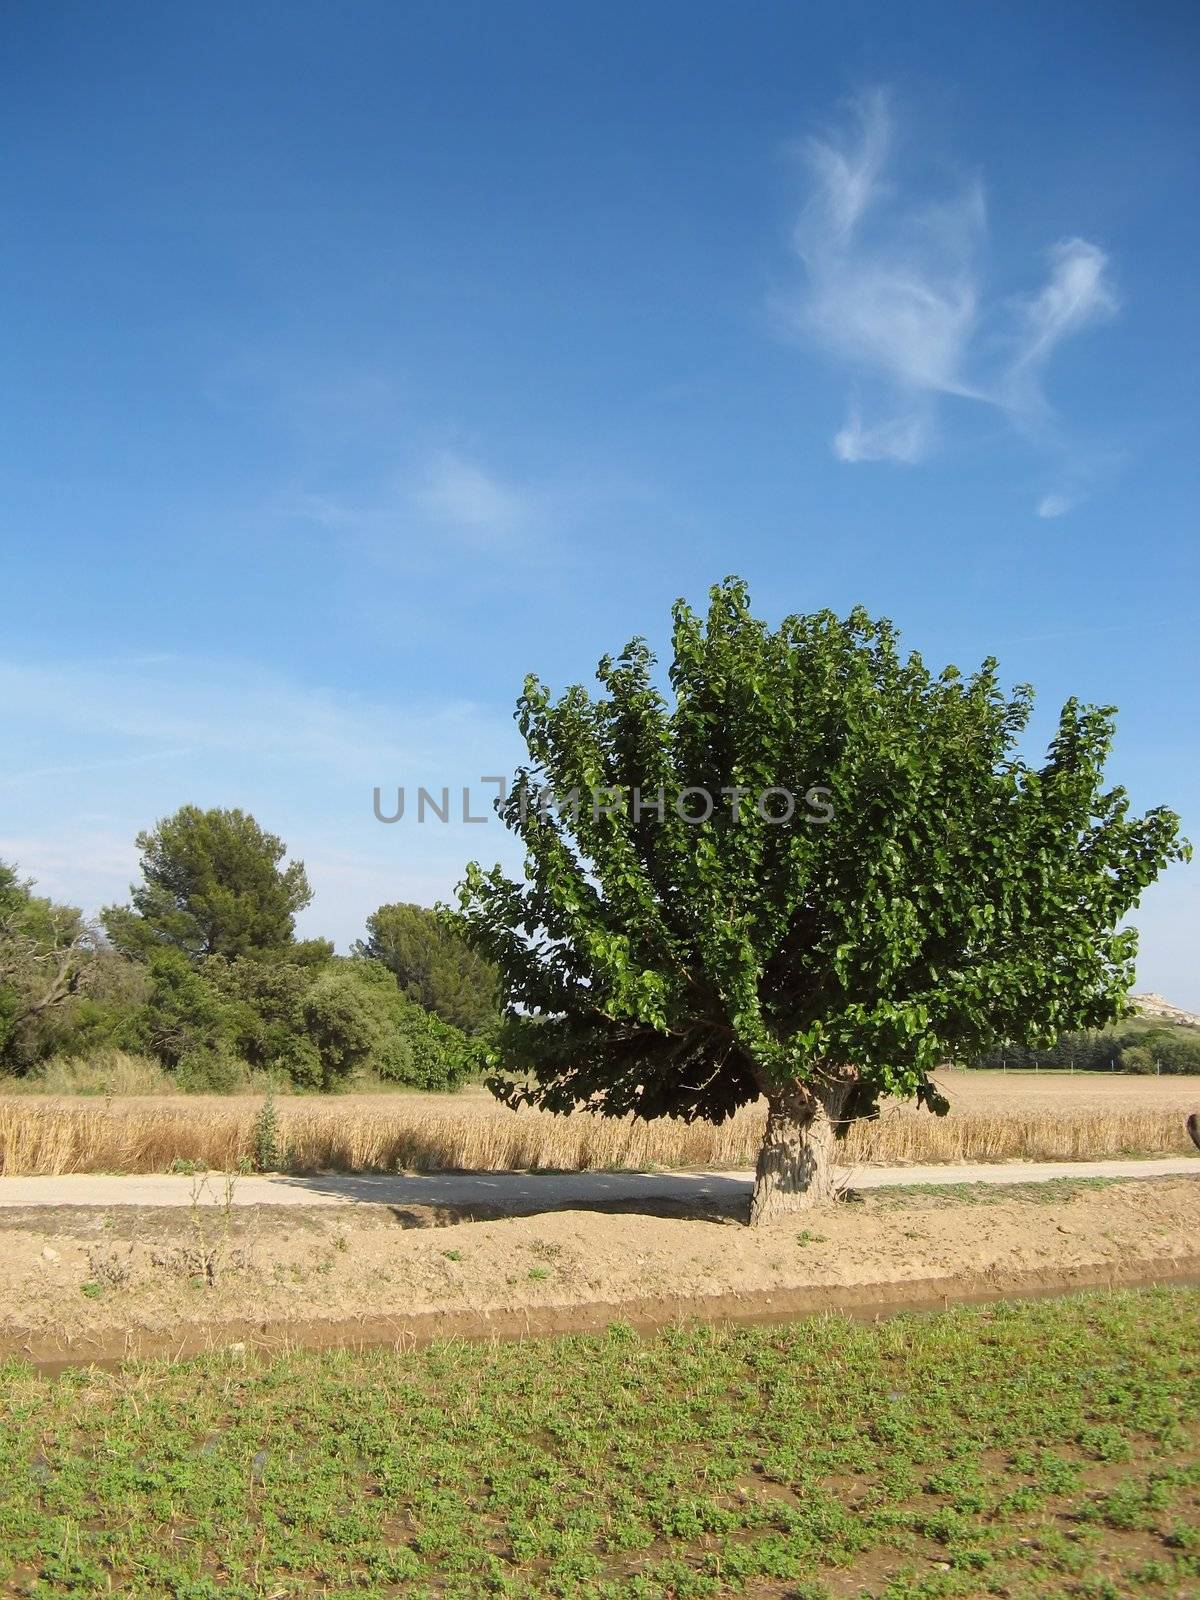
(993, 1118)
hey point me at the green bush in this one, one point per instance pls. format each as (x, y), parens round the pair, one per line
(314, 1027)
(442, 1057)
(347, 1028)
(415, 1046)
(209, 1069)
(1174, 1050)
(1135, 1059)
(298, 1063)
(265, 1009)
(186, 1013)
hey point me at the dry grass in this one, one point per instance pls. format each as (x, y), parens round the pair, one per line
(106, 1072)
(424, 1133)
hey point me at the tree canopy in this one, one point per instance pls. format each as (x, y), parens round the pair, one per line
(213, 885)
(45, 962)
(205, 975)
(693, 943)
(433, 964)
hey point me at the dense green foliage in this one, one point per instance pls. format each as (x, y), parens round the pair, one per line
(1038, 1451)
(205, 975)
(956, 896)
(314, 1027)
(1135, 1046)
(212, 885)
(433, 965)
(46, 953)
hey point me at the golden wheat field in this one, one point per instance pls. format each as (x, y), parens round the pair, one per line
(993, 1118)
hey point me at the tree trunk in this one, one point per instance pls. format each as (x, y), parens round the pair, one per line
(795, 1164)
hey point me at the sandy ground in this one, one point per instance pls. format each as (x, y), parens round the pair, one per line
(91, 1282)
(518, 1193)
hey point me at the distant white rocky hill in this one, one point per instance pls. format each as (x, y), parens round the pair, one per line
(1153, 1005)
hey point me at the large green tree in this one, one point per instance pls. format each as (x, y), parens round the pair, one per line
(214, 883)
(433, 965)
(931, 892)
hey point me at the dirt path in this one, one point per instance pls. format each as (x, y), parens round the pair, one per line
(520, 1193)
(91, 1281)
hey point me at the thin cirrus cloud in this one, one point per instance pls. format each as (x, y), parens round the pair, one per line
(304, 758)
(459, 497)
(1054, 505)
(893, 293)
(462, 495)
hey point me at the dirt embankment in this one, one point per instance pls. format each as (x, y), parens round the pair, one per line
(88, 1283)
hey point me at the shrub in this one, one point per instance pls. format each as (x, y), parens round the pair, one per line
(298, 1063)
(442, 1057)
(265, 1002)
(186, 1013)
(209, 1069)
(415, 1046)
(341, 1021)
(267, 1154)
(1136, 1059)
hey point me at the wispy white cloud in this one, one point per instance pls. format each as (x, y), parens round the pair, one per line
(445, 491)
(218, 710)
(893, 291)
(1055, 505)
(304, 758)
(904, 438)
(462, 495)
(1078, 292)
(902, 305)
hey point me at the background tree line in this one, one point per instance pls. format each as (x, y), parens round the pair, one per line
(1141, 1047)
(202, 971)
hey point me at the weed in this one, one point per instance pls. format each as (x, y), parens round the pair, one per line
(963, 1454)
(266, 1151)
(209, 1252)
(111, 1268)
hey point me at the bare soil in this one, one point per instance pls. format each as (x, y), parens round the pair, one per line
(90, 1283)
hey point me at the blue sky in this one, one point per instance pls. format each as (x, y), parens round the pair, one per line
(360, 358)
